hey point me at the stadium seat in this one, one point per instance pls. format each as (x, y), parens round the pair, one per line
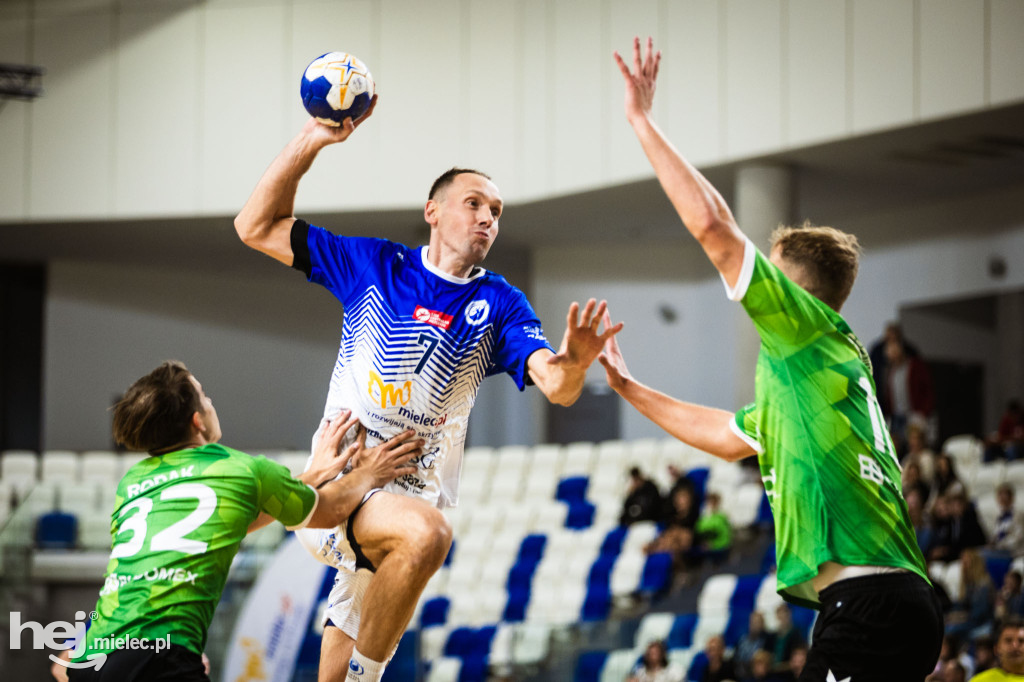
(709, 625)
(619, 664)
(716, 594)
(580, 515)
(986, 479)
(589, 665)
(94, 531)
(101, 467)
(550, 516)
(745, 594)
(548, 456)
(78, 498)
(56, 530)
(434, 612)
(626, 574)
(639, 534)
(680, 636)
(653, 626)
(743, 505)
(20, 469)
(656, 577)
(445, 669)
(965, 450)
(532, 644)
(579, 460)
(1014, 475)
(572, 489)
(432, 641)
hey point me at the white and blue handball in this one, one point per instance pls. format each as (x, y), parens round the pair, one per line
(335, 86)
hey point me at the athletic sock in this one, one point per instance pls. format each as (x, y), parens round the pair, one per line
(363, 669)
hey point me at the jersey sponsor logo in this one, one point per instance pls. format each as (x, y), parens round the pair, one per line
(432, 317)
(388, 394)
(534, 331)
(426, 460)
(477, 311)
(354, 666)
(412, 483)
(417, 418)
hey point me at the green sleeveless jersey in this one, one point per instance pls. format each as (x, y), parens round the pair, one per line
(178, 520)
(825, 455)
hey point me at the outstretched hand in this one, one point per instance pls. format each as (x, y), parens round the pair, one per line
(324, 135)
(581, 342)
(641, 80)
(614, 364)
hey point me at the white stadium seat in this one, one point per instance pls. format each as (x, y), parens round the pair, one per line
(653, 626)
(101, 466)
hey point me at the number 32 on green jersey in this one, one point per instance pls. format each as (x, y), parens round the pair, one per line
(172, 538)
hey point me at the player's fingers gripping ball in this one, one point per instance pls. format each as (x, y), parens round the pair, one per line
(335, 86)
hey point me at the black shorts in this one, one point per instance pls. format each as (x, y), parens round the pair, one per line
(145, 665)
(878, 628)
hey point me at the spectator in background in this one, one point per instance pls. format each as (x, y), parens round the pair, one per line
(879, 363)
(1009, 652)
(957, 529)
(913, 480)
(1007, 442)
(787, 638)
(907, 391)
(654, 666)
(719, 668)
(919, 519)
(973, 612)
(761, 668)
(984, 654)
(714, 532)
(643, 501)
(677, 536)
(945, 480)
(1008, 536)
(1009, 600)
(754, 640)
(797, 660)
(919, 452)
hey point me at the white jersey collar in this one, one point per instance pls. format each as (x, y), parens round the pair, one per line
(476, 274)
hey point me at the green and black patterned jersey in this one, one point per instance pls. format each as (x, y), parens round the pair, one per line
(825, 454)
(178, 520)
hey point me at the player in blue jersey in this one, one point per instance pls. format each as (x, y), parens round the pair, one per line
(422, 327)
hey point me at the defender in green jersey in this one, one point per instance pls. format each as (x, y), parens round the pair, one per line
(844, 541)
(180, 515)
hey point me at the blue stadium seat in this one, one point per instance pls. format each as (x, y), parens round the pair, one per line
(589, 666)
(581, 515)
(474, 669)
(56, 530)
(597, 603)
(764, 513)
(803, 619)
(997, 567)
(612, 544)
(697, 666)
(657, 575)
(515, 608)
(435, 612)
(404, 664)
(681, 634)
(746, 592)
(572, 489)
(451, 553)
(532, 548)
(520, 576)
(739, 623)
(699, 478)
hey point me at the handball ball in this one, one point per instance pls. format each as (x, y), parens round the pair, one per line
(335, 86)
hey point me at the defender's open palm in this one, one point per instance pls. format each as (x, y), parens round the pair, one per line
(614, 364)
(581, 343)
(641, 80)
(390, 459)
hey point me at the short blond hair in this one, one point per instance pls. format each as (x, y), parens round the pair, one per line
(830, 257)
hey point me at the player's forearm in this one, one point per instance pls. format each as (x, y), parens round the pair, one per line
(563, 386)
(700, 206)
(705, 428)
(264, 519)
(340, 498)
(273, 199)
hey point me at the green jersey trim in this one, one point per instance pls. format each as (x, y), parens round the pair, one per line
(312, 510)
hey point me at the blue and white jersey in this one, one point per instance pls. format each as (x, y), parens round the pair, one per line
(415, 345)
